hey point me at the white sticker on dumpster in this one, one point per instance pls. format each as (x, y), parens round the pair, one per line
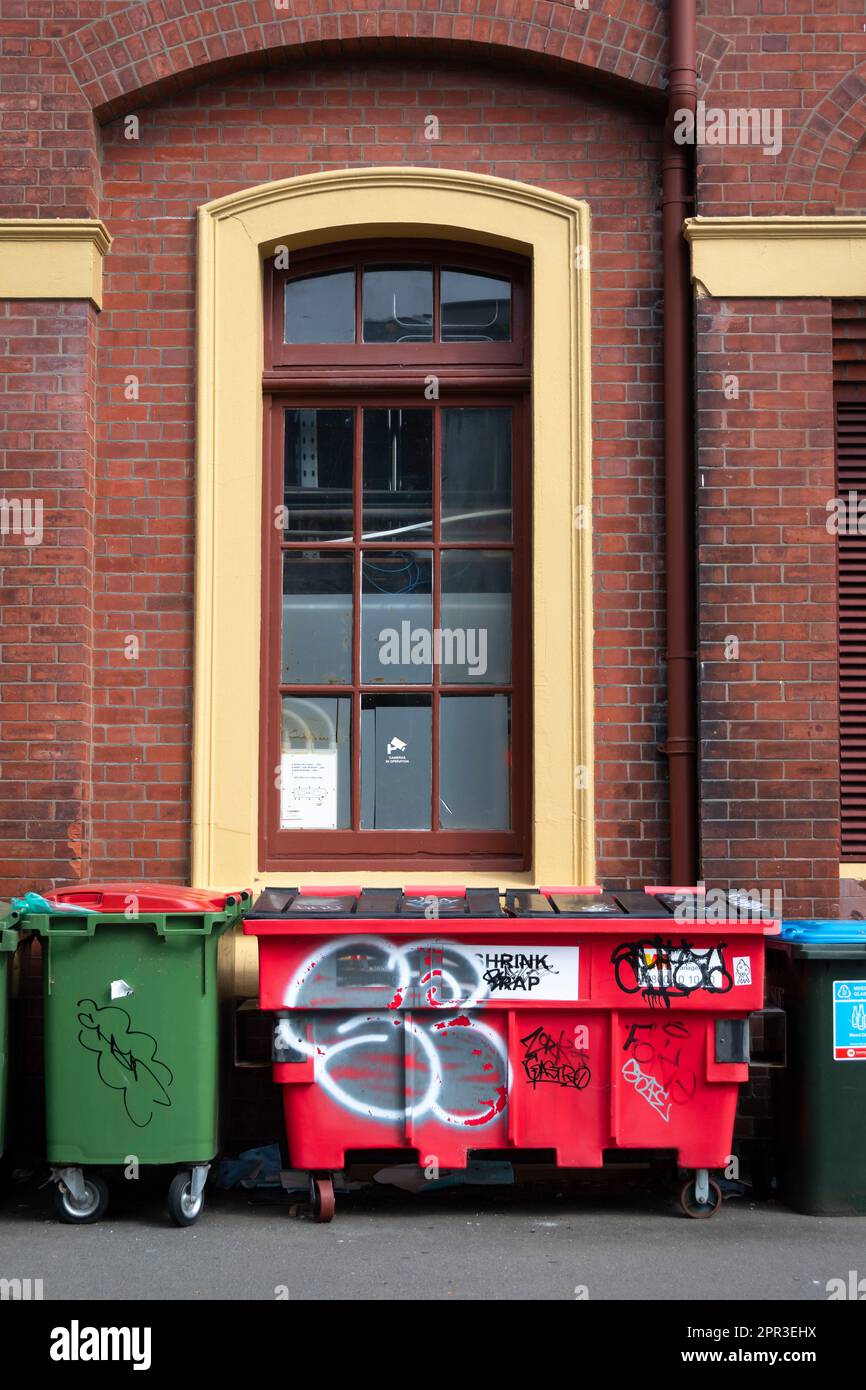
(537, 972)
(742, 970)
(849, 1020)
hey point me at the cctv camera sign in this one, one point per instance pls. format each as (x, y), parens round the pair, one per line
(396, 751)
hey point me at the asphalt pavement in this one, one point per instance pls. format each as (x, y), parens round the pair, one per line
(597, 1242)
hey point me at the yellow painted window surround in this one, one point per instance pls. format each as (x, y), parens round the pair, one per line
(236, 233)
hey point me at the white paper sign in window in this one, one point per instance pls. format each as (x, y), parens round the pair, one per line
(308, 790)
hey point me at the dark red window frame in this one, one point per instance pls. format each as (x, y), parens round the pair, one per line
(354, 376)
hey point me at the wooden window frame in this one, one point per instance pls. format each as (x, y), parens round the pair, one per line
(357, 376)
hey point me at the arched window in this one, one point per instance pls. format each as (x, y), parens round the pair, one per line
(396, 652)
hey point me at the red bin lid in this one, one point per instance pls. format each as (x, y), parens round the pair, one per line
(152, 897)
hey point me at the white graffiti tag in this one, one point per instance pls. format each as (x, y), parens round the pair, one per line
(647, 1086)
(458, 1065)
(369, 963)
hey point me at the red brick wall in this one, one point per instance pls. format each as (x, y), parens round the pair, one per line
(805, 58)
(49, 166)
(332, 106)
(47, 385)
(248, 130)
(767, 569)
(59, 62)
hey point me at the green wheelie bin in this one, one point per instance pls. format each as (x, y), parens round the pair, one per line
(8, 945)
(816, 970)
(131, 1047)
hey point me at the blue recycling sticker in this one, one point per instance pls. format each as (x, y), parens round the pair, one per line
(849, 1020)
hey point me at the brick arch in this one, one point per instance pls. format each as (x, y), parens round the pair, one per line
(138, 53)
(852, 184)
(827, 143)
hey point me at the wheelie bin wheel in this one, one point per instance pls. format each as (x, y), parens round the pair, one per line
(322, 1199)
(184, 1208)
(91, 1207)
(700, 1210)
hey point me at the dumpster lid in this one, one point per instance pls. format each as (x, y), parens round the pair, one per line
(589, 904)
(295, 904)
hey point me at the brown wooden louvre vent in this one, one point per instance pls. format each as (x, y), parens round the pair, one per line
(851, 477)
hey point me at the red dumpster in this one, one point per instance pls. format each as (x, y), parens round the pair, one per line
(453, 1021)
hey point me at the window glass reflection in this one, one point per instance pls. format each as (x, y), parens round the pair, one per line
(321, 308)
(476, 611)
(398, 473)
(476, 474)
(397, 617)
(398, 304)
(475, 308)
(317, 492)
(317, 617)
(475, 762)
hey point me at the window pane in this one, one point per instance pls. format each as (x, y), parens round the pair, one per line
(397, 617)
(321, 308)
(476, 474)
(398, 473)
(398, 304)
(475, 308)
(475, 762)
(315, 763)
(318, 474)
(396, 762)
(317, 617)
(476, 617)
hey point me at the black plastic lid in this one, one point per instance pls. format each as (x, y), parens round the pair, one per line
(280, 903)
(528, 902)
(597, 905)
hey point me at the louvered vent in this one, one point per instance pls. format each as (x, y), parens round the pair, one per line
(851, 477)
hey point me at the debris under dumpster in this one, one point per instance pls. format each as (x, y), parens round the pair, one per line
(451, 1021)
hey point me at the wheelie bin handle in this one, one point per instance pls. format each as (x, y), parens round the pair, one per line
(164, 924)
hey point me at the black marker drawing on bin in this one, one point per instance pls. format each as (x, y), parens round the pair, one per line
(126, 1060)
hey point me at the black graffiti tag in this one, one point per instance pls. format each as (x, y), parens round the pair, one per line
(554, 1060)
(126, 1060)
(658, 1050)
(661, 971)
(513, 971)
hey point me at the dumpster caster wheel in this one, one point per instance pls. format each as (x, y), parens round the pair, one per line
(700, 1210)
(322, 1198)
(184, 1206)
(91, 1206)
